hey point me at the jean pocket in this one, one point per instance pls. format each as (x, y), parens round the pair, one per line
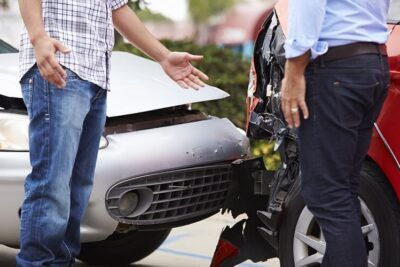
(353, 100)
(71, 76)
(27, 93)
(359, 86)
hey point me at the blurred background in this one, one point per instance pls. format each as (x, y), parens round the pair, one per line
(224, 31)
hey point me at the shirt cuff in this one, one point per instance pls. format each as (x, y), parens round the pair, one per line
(295, 48)
(115, 4)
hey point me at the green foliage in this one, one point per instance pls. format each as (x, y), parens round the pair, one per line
(266, 150)
(202, 10)
(146, 15)
(228, 71)
(135, 4)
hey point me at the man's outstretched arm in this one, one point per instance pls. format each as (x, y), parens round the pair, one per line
(177, 65)
(44, 46)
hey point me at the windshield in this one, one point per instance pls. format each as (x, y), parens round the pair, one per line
(394, 11)
(6, 48)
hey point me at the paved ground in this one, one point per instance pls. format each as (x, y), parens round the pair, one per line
(189, 246)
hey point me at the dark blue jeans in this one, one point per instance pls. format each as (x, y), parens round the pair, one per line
(64, 134)
(344, 97)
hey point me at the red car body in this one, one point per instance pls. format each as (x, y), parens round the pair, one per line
(385, 144)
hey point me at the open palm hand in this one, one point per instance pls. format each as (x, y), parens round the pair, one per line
(177, 65)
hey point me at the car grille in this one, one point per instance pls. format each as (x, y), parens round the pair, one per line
(177, 195)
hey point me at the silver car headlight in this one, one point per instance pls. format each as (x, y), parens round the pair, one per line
(14, 133)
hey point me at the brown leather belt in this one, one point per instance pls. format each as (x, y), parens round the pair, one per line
(354, 49)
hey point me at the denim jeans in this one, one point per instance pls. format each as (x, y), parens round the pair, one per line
(344, 97)
(64, 135)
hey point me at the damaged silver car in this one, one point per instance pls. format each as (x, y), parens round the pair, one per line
(160, 165)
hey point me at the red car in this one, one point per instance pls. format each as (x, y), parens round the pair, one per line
(273, 202)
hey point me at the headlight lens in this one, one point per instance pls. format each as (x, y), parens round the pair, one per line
(14, 133)
(128, 203)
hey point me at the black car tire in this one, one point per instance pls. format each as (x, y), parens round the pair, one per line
(122, 249)
(380, 199)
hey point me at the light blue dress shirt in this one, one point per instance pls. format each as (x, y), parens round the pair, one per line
(317, 25)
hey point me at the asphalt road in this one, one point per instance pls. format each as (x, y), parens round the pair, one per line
(189, 246)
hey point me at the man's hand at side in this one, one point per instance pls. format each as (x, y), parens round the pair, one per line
(294, 90)
(45, 47)
(45, 50)
(177, 65)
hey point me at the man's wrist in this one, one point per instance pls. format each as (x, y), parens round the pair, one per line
(294, 71)
(162, 55)
(37, 37)
(295, 67)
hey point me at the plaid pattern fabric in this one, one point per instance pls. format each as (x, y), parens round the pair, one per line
(84, 26)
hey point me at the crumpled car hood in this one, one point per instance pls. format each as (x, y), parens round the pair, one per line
(137, 85)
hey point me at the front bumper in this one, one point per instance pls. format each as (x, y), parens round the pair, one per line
(128, 156)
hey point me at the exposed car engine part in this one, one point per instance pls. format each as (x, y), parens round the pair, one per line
(268, 122)
(240, 243)
(127, 123)
(12, 103)
(153, 119)
(265, 200)
(243, 241)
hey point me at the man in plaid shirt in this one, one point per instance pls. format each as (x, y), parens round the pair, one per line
(64, 69)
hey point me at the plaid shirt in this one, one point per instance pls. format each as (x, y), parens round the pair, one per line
(84, 26)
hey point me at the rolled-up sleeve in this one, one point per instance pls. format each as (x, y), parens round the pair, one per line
(306, 18)
(115, 4)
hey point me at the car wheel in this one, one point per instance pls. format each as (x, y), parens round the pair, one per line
(122, 249)
(301, 242)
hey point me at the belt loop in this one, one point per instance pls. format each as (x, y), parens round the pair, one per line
(315, 66)
(322, 62)
(381, 59)
(380, 55)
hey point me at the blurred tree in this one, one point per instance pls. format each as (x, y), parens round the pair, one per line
(4, 4)
(202, 11)
(146, 15)
(136, 4)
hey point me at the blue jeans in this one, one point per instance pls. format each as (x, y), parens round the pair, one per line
(64, 135)
(344, 97)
